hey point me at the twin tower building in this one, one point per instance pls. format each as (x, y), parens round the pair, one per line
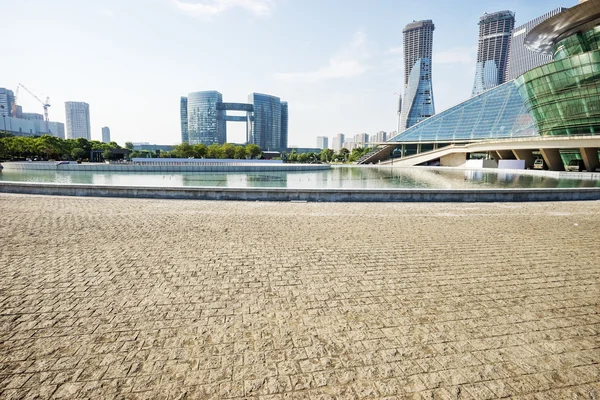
(501, 56)
(204, 119)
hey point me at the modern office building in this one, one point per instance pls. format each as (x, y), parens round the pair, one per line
(105, 134)
(417, 103)
(33, 127)
(493, 50)
(32, 116)
(361, 139)
(563, 96)
(338, 142)
(322, 142)
(378, 137)
(7, 101)
(553, 109)
(78, 120)
(521, 58)
(204, 119)
(183, 104)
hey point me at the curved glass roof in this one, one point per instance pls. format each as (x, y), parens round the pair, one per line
(498, 113)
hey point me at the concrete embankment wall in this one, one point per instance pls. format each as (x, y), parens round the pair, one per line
(124, 168)
(316, 195)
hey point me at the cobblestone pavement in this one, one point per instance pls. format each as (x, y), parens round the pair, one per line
(125, 298)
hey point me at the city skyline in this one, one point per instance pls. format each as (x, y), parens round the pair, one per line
(337, 80)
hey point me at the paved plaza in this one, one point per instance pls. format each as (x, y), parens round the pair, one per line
(168, 299)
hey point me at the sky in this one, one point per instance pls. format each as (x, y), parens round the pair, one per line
(338, 63)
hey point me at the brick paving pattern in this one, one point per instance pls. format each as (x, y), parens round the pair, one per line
(151, 299)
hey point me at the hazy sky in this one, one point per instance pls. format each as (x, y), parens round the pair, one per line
(338, 63)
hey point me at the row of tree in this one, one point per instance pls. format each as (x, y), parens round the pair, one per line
(50, 147)
(326, 156)
(185, 150)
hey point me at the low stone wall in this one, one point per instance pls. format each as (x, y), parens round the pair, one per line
(204, 167)
(325, 195)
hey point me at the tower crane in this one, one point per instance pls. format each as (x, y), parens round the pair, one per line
(46, 104)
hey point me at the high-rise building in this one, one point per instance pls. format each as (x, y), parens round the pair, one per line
(265, 127)
(493, 50)
(105, 134)
(521, 58)
(338, 141)
(378, 137)
(284, 126)
(417, 104)
(322, 142)
(7, 100)
(183, 104)
(78, 120)
(361, 139)
(205, 123)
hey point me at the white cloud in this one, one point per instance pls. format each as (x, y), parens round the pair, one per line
(346, 63)
(208, 8)
(456, 55)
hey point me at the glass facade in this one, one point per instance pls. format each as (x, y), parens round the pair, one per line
(417, 103)
(206, 125)
(498, 113)
(284, 126)
(184, 119)
(492, 51)
(564, 96)
(265, 126)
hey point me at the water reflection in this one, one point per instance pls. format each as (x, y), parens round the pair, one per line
(337, 177)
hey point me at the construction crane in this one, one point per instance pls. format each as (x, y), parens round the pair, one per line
(46, 104)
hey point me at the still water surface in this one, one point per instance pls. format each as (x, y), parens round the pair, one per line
(337, 177)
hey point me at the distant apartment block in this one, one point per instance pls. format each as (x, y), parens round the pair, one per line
(322, 142)
(78, 120)
(338, 142)
(106, 134)
(378, 137)
(361, 140)
(7, 101)
(521, 58)
(493, 50)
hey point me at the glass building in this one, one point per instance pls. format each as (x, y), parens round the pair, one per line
(564, 96)
(265, 127)
(78, 120)
(521, 58)
(497, 113)
(205, 123)
(184, 119)
(492, 51)
(418, 90)
(284, 126)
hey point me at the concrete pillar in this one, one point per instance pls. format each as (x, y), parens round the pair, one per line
(590, 158)
(403, 151)
(495, 155)
(552, 159)
(419, 148)
(505, 155)
(526, 155)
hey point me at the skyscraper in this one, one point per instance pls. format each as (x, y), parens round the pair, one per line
(284, 126)
(493, 50)
(417, 104)
(205, 123)
(78, 120)
(338, 141)
(522, 59)
(183, 104)
(322, 142)
(106, 134)
(7, 100)
(265, 128)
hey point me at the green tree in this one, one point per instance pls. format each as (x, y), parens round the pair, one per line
(239, 153)
(326, 155)
(199, 150)
(129, 145)
(228, 150)
(107, 155)
(215, 151)
(78, 153)
(252, 150)
(183, 150)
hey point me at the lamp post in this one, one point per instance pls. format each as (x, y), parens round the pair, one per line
(3, 116)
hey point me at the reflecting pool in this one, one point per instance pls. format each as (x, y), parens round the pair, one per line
(346, 177)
